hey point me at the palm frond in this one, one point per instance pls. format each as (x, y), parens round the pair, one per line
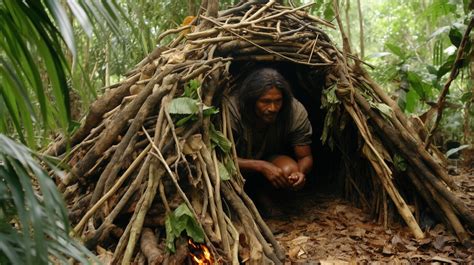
(33, 219)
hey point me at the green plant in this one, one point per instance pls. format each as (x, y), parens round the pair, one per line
(34, 228)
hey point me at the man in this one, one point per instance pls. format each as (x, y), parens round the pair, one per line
(272, 133)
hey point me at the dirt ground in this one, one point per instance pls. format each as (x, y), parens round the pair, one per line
(328, 230)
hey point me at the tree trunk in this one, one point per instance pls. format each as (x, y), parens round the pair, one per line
(348, 22)
(361, 27)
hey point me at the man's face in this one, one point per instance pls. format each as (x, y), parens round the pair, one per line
(268, 105)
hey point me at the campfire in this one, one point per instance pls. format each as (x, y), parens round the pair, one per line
(199, 253)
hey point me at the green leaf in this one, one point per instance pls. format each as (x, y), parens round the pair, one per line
(184, 120)
(396, 50)
(218, 139)
(191, 89)
(466, 97)
(383, 108)
(329, 11)
(170, 233)
(43, 229)
(208, 111)
(455, 36)
(411, 101)
(230, 165)
(225, 175)
(432, 70)
(446, 67)
(400, 163)
(416, 83)
(183, 105)
(179, 221)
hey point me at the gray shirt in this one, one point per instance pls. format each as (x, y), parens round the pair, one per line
(253, 143)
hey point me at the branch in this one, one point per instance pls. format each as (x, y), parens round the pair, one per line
(454, 73)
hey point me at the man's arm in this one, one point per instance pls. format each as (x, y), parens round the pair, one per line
(304, 159)
(271, 172)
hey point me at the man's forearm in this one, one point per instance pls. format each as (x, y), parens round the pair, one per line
(305, 164)
(249, 165)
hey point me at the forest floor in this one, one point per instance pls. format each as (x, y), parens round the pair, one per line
(325, 229)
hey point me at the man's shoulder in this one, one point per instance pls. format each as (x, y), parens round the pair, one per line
(297, 107)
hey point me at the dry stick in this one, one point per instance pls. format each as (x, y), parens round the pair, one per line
(411, 154)
(149, 247)
(235, 236)
(433, 199)
(312, 49)
(220, 211)
(172, 31)
(109, 135)
(211, 196)
(160, 157)
(239, 8)
(260, 11)
(105, 103)
(409, 135)
(93, 239)
(267, 233)
(154, 178)
(452, 76)
(229, 133)
(262, 47)
(397, 199)
(135, 163)
(246, 218)
(127, 145)
(124, 238)
(385, 176)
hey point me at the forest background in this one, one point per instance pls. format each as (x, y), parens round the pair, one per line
(57, 57)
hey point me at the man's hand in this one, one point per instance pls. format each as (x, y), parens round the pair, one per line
(275, 175)
(297, 179)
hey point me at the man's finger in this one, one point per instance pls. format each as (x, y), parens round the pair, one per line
(300, 182)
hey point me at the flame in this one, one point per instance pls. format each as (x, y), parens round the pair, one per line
(199, 254)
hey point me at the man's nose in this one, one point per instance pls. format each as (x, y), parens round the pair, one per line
(272, 107)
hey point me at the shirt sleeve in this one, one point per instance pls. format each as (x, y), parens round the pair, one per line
(300, 129)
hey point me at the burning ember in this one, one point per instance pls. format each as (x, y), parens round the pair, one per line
(199, 253)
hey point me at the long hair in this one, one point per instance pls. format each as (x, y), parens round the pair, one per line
(254, 86)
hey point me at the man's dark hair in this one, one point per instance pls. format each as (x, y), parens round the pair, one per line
(254, 86)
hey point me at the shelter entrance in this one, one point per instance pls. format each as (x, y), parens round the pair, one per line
(307, 86)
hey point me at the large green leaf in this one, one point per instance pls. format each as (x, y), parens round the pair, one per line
(218, 139)
(179, 221)
(396, 50)
(412, 100)
(33, 221)
(455, 35)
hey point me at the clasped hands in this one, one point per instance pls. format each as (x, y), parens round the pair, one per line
(279, 179)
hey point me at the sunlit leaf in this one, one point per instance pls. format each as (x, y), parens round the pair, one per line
(378, 55)
(439, 32)
(457, 149)
(183, 105)
(224, 174)
(395, 50)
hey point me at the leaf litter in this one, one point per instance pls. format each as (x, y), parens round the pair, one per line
(326, 229)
